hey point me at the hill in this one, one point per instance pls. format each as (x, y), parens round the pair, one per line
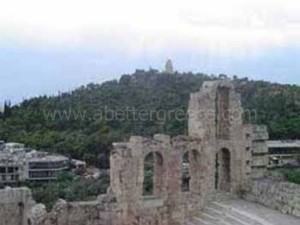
(73, 123)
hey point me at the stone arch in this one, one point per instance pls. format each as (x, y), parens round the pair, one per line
(223, 170)
(153, 174)
(185, 173)
(195, 171)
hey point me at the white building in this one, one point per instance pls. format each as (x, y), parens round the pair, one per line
(284, 153)
(17, 164)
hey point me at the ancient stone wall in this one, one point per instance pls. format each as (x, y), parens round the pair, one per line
(127, 175)
(258, 150)
(18, 208)
(219, 149)
(75, 213)
(282, 196)
(216, 116)
(215, 112)
(222, 113)
(14, 206)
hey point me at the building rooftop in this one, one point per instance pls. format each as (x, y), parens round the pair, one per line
(7, 158)
(35, 156)
(284, 144)
(14, 145)
(16, 153)
(78, 162)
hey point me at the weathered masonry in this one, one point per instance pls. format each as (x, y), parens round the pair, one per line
(166, 180)
(221, 155)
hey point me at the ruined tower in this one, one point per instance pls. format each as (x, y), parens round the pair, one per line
(216, 155)
(215, 116)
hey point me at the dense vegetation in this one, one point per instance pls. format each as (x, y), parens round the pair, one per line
(290, 174)
(49, 123)
(69, 188)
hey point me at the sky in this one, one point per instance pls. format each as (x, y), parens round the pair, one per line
(50, 46)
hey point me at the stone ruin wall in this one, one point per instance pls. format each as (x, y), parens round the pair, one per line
(127, 175)
(278, 195)
(14, 206)
(18, 208)
(74, 213)
(223, 154)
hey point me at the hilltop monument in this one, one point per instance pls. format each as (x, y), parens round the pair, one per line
(169, 67)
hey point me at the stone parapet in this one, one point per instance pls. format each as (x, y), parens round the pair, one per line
(282, 196)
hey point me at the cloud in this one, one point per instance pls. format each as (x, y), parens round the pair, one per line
(138, 26)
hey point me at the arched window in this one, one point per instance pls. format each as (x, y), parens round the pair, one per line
(153, 174)
(222, 176)
(191, 172)
(185, 176)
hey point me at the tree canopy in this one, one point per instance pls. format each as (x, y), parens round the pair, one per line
(72, 123)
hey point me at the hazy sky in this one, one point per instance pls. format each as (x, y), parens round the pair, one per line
(57, 45)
